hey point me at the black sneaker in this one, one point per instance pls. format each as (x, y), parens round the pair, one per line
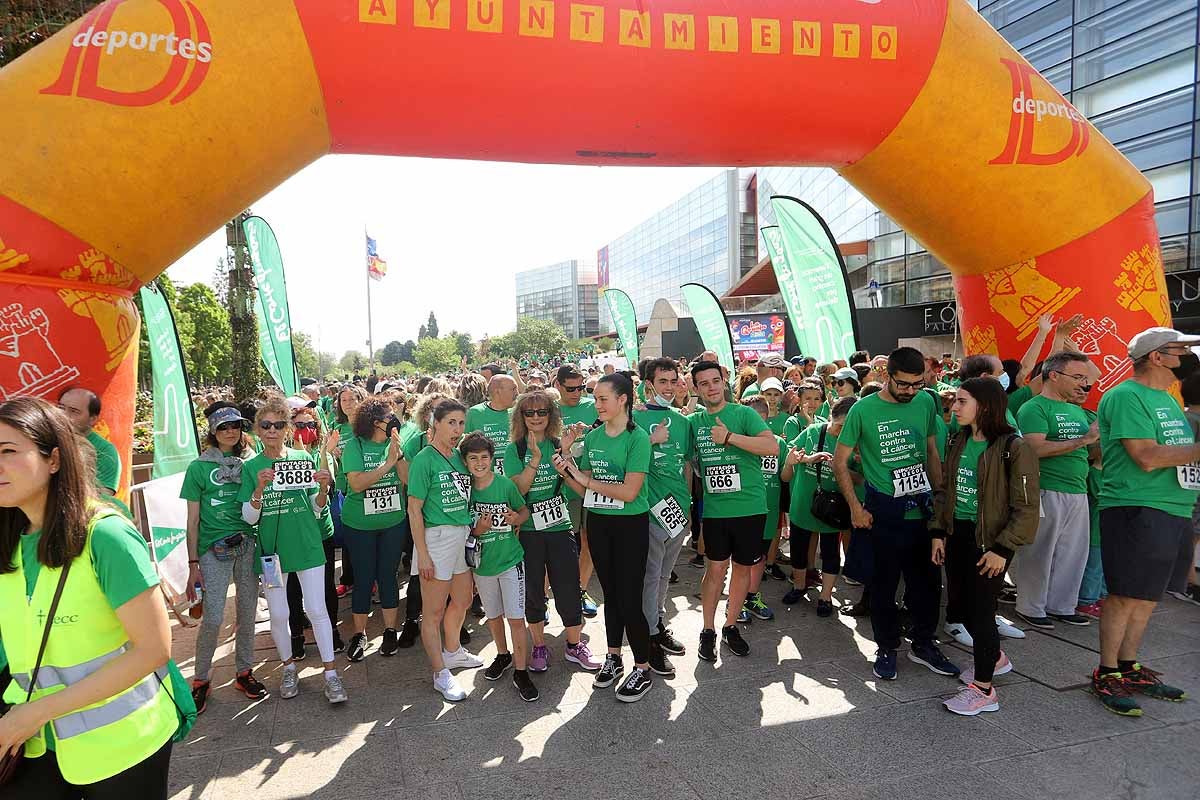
(697, 561)
(708, 645)
(610, 673)
(931, 657)
(390, 643)
(668, 642)
(298, 653)
(793, 596)
(200, 695)
(859, 609)
(635, 686)
(339, 646)
(477, 607)
(464, 636)
(499, 666)
(824, 608)
(248, 685)
(773, 571)
(1008, 594)
(358, 647)
(524, 685)
(659, 661)
(409, 633)
(1072, 619)
(673, 579)
(1044, 623)
(732, 638)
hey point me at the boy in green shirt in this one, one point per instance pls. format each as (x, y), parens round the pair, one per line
(497, 512)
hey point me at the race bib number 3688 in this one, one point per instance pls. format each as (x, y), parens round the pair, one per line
(296, 474)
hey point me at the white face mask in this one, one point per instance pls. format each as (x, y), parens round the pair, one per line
(659, 400)
(1004, 380)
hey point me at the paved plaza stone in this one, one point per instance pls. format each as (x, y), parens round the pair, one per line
(801, 717)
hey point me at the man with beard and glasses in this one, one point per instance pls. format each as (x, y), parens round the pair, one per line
(895, 433)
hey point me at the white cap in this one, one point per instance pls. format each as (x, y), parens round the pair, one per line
(295, 403)
(1153, 339)
(771, 383)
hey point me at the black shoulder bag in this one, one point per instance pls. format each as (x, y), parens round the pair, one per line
(829, 507)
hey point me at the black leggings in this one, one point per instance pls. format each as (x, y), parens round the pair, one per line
(40, 779)
(296, 600)
(976, 596)
(831, 550)
(554, 552)
(619, 545)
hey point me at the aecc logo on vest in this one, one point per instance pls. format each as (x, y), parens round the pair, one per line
(61, 619)
(187, 48)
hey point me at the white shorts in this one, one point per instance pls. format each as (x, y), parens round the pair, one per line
(447, 547)
(503, 595)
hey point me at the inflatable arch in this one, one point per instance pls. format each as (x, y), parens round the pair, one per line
(141, 128)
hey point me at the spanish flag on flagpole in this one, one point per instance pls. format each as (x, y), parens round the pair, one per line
(376, 266)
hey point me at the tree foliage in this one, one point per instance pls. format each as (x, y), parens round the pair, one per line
(26, 23)
(307, 362)
(208, 352)
(437, 355)
(463, 344)
(531, 336)
(352, 361)
(428, 330)
(391, 354)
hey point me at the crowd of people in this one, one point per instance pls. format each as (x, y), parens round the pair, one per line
(500, 488)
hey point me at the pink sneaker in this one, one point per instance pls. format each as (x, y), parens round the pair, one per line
(971, 701)
(1003, 667)
(539, 660)
(581, 655)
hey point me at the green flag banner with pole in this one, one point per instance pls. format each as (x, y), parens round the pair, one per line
(271, 308)
(620, 307)
(812, 279)
(710, 321)
(175, 438)
(774, 242)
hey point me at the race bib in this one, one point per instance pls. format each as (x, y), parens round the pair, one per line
(669, 516)
(381, 500)
(1189, 476)
(463, 484)
(547, 514)
(498, 467)
(722, 479)
(770, 465)
(593, 500)
(910, 480)
(496, 511)
(270, 572)
(298, 474)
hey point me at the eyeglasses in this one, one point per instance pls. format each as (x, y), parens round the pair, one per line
(266, 426)
(1080, 378)
(909, 384)
(572, 389)
(535, 412)
(230, 426)
(302, 426)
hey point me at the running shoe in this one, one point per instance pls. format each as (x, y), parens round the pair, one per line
(1143, 680)
(824, 608)
(960, 633)
(774, 572)
(409, 633)
(448, 687)
(1042, 623)
(674, 579)
(668, 642)
(1003, 667)
(1006, 629)
(1190, 595)
(343, 590)
(525, 687)
(587, 604)
(358, 647)
(1008, 595)
(930, 656)
(731, 637)
(1114, 693)
(338, 645)
(610, 673)
(708, 645)
(539, 660)
(755, 605)
(200, 695)
(1078, 620)
(697, 561)
(289, 684)
(461, 659)
(335, 692)
(1092, 610)
(859, 609)
(793, 596)
(390, 644)
(885, 664)
(635, 686)
(298, 652)
(249, 685)
(477, 607)
(743, 617)
(498, 667)
(580, 654)
(464, 636)
(972, 701)
(658, 660)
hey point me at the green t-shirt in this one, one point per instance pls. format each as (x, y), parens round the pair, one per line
(415, 443)
(325, 522)
(750, 391)
(584, 411)
(891, 440)
(1019, 398)
(491, 423)
(1133, 411)
(287, 525)
(804, 479)
(345, 434)
(941, 431)
(777, 423)
(723, 469)
(443, 484)
(772, 466)
(108, 465)
(501, 548)
(382, 504)
(544, 481)
(667, 460)
(796, 424)
(1060, 422)
(611, 458)
(220, 510)
(966, 481)
(1094, 481)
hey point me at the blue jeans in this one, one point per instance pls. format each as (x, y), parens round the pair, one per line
(376, 557)
(901, 547)
(1092, 588)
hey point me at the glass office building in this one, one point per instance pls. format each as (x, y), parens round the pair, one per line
(1128, 65)
(563, 293)
(707, 236)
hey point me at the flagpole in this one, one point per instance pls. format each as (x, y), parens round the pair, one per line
(370, 330)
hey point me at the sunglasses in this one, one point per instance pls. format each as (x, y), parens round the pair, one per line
(230, 426)
(266, 426)
(841, 382)
(909, 384)
(301, 426)
(535, 412)
(591, 390)
(572, 388)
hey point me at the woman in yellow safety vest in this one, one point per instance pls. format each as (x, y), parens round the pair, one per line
(99, 721)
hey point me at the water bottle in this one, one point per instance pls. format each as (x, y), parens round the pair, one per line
(197, 609)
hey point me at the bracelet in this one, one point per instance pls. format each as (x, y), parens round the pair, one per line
(193, 561)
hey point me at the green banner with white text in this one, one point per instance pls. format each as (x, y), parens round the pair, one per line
(710, 322)
(812, 279)
(620, 308)
(271, 307)
(175, 438)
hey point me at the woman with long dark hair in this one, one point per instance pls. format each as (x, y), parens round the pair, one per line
(988, 507)
(100, 723)
(612, 479)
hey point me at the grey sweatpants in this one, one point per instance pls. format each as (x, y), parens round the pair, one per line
(1049, 571)
(217, 575)
(660, 560)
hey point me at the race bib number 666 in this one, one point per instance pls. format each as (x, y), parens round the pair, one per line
(722, 479)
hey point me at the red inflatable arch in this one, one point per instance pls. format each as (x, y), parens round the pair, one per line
(141, 128)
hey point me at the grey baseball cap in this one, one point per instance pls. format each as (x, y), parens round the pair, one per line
(223, 415)
(1152, 339)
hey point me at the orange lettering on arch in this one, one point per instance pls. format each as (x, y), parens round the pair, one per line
(377, 11)
(431, 14)
(537, 18)
(764, 35)
(587, 23)
(635, 28)
(680, 31)
(486, 16)
(723, 34)
(806, 38)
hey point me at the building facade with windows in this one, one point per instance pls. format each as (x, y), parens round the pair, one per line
(563, 293)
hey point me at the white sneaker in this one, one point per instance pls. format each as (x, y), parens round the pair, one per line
(334, 691)
(1003, 667)
(289, 686)
(1007, 629)
(959, 632)
(461, 659)
(444, 683)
